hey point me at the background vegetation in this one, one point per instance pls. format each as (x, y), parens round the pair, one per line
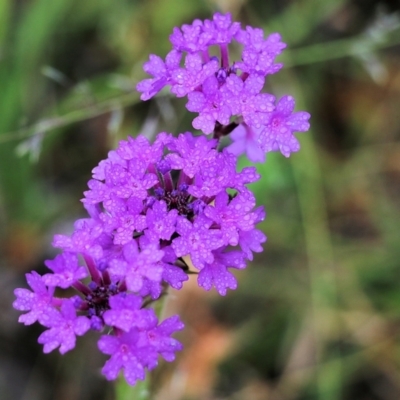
(317, 314)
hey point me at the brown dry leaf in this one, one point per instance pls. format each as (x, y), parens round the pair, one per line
(22, 246)
(206, 343)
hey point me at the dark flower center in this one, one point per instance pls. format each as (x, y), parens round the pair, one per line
(97, 300)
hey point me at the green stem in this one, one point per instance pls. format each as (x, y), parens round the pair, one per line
(323, 284)
(123, 391)
(74, 116)
(319, 52)
(320, 257)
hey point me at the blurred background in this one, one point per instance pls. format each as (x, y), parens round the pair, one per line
(316, 316)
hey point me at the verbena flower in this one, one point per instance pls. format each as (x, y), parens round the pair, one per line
(160, 211)
(63, 328)
(155, 211)
(228, 93)
(137, 349)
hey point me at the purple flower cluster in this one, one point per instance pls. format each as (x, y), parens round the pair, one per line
(156, 211)
(227, 95)
(163, 210)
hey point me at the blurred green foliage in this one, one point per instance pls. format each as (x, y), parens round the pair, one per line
(316, 316)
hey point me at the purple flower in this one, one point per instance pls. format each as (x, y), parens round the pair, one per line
(151, 289)
(140, 148)
(159, 339)
(137, 265)
(210, 104)
(135, 181)
(190, 153)
(217, 274)
(275, 135)
(259, 55)
(173, 275)
(244, 99)
(222, 28)
(197, 240)
(198, 36)
(125, 312)
(136, 350)
(39, 303)
(84, 239)
(216, 175)
(245, 176)
(66, 271)
(191, 38)
(124, 354)
(161, 71)
(187, 79)
(98, 190)
(160, 222)
(123, 181)
(281, 124)
(112, 158)
(123, 217)
(64, 327)
(232, 216)
(250, 241)
(247, 140)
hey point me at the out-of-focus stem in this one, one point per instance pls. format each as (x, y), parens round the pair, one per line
(323, 284)
(123, 391)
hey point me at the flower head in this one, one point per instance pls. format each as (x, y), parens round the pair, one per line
(227, 94)
(138, 349)
(278, 132)
(155, 210)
